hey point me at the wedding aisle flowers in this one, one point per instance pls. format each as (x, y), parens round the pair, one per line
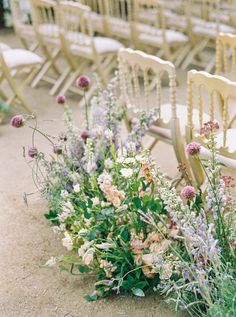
(122, 220)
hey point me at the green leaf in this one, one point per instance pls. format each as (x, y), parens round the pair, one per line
(91, 297)
(138, 292)
(137, 202)
(82, 268)
(141, 284)
(91, 235)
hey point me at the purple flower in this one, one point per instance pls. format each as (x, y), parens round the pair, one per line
(17, 121)
(33, 152)
(57, 149)
(193, 148)
(83, 82)
(60, 100)
(85, 135)
(188, 192)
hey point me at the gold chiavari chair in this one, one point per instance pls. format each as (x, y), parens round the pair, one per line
(206, 89)
(80, 47)
(47, 33)
(24, 31)
(153, 35)
(141, 79)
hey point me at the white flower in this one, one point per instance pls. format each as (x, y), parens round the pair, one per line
(108, 134)
(129, 160)
(77, 188)
(95, 201)
(126, 172)
(108, 163)
(52, 261)
(84, 247)
(104, 246)
(64, 193)
(88, 256)
(67, 241)
(82, 232)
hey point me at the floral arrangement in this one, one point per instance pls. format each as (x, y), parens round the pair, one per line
(121, 219)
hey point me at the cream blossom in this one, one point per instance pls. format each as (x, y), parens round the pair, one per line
(95, 201)
(67, 241)
(52, 261)
(77, 188)
(108, 163)
(88, 256)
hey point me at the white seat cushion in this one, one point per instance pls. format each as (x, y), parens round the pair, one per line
(103, 45)
(182, 114)
(20, 58)
(153, 36)
(210, 29)
(4, 47)
(119, 27)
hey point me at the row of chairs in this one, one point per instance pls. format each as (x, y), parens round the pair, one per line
(209, 98)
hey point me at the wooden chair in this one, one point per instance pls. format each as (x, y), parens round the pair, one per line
(140, 77)
(97, 14)
(203, 27)
(47, 33)
(225, 63)
(152, 34)
(23, 30)
(118, 14)
(80, 47)
(206, 89)
(13, 62)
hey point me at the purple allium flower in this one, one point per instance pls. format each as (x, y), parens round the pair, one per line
(85, 135)
(60, 100)
(17, 121)
(83, 82)
(57, 148)
(193, 148)
(33, 152)
(209, 127)
(188, 192)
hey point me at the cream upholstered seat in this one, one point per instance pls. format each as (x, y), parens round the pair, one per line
(221, 92)
(4, 47)
(211, 29)
(181, 112)
(20, 58)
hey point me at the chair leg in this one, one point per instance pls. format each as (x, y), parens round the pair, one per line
(60, 81)
(197, 49)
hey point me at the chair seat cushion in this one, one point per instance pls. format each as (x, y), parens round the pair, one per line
(103, 45)
(210, 29)
(182, 114)
(154, 36)
(119, 27)
(19, 58)
(4, 47)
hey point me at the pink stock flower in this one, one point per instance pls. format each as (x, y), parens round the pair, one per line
(193, 148)
(188, 192)
(209, 127)
(17, 121)
(60, 100)
(33, 152)
(83, 82)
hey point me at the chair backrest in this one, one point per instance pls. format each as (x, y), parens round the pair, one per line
(219, 94)
(75, 24)
(98, 9)
(226, 55)
(44, 19)
(118, 17)
(141, 77)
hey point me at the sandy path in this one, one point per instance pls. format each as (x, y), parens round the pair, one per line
(27, 241)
